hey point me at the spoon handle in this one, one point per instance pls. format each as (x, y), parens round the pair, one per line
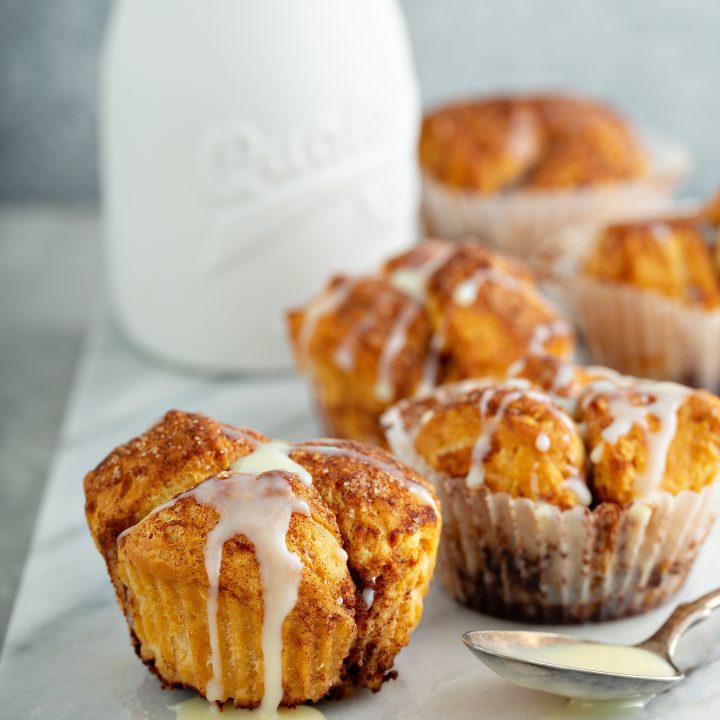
(664, 642)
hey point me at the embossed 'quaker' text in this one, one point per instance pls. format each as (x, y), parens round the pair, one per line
(239, 160)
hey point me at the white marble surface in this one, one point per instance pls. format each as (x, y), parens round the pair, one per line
(67, 654)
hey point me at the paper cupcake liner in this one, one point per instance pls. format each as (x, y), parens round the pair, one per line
(520, 559)
(529, 224)
(639, 332)
(526, 560)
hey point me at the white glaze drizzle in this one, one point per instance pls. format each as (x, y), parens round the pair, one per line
(564, 377)
(198, 709)
(545, 332)
(413, 280)
(416, 488)
(476, 476)
(516, 389)
(578, 487)
(259, 508)
(318, 308)
(237, 433)
(466, 292)
(368, 596)
(521, 139)
(667, 398)
(344, 355)
(661, 232)
(273, 455)
(430, 368)
(384, 387)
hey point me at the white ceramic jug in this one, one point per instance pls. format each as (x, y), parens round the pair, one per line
(250, 150)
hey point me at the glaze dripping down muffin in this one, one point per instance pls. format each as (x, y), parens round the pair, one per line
(261, 571)
(583, 497)
(439, 312)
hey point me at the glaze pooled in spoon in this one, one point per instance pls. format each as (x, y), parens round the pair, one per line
(600, 657)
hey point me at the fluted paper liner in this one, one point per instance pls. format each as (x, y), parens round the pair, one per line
(529, 223)
(641, 332)
(528, 560)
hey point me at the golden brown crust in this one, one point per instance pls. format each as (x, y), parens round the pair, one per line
(438, 312)
(665, 255)
(535, 142)
(161, 562)
(604, 438)
(390, 539)
(173, 455)
(381, 512)
(710, 212)
(692, 458)
(530, 446)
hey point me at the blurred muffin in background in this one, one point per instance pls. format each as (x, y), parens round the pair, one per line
(517, 170)
(439, 312)
(647, 296)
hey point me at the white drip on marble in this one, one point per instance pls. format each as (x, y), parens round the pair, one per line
(664, 401)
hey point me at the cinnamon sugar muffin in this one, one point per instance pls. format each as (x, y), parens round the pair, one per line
(437, 313)
(516, 170)
(647, 297)
(589, 504)
(261, 571)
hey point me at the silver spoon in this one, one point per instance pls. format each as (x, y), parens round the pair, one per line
(502, 652)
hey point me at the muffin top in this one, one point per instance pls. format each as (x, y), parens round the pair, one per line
(672, 256)
(581, 436)
(439, 312)
(543, 142)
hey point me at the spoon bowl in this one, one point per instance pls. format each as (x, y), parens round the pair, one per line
(504, 652)
(530, 659)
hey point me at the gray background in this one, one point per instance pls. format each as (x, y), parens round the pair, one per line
(657, 59)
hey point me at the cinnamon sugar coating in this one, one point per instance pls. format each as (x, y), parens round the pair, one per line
(670, 256)
(543, 142)
(361, 501)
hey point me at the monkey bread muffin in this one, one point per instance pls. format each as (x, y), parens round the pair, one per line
(437, 313)
(586, 498)
(647, 297)
(516, 170)
(263, 572)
